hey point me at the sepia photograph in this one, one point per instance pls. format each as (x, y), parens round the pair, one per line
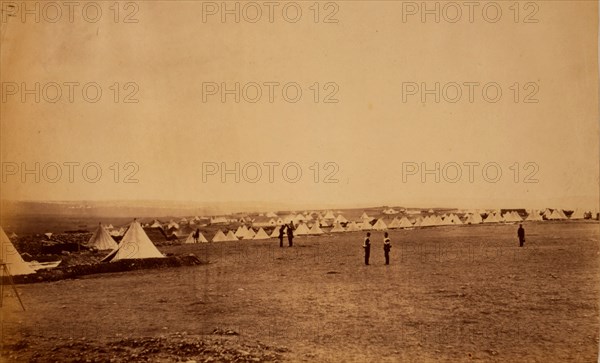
(299, 181)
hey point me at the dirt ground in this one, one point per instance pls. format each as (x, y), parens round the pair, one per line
(466, 293)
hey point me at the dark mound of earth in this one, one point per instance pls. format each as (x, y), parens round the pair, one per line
(74, 271)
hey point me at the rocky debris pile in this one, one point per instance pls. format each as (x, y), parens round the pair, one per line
(89, 257)
(177, 347)
(39, 245)
(74, 271)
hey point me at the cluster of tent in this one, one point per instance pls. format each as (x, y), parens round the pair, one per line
(134, 244)
(242, 232)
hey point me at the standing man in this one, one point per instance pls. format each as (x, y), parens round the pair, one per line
(367, 247)
(521, 234)
(290, 233)
(196, 235)
(281, 233)
(387, 246)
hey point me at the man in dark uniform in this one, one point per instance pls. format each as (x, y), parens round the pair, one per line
(290, 233)
(281, 233)
(521, 234)
(367, 247)
(387, 246)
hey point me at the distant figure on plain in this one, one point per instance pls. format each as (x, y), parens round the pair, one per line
(196, 235)
(521, 234)
(367, 247)
(290, 233)
(281, 233)
(387, 246)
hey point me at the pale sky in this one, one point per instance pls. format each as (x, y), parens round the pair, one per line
(369, 54)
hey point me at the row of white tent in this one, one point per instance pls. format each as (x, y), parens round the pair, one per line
(329, 219)
(102, 240)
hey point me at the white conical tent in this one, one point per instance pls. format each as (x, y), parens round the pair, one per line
(249, 234)
(455, 220)
(436, 220)
(426, 222)
(341, 219)
(101, 240)
(241, 231)
(11, 257)
(261, 234)
(326, 222)
(190, 238)
(534, 216)
(395, 223)
(337, 227)
(315, 229)
(557, 214)
(219, 237)
(380, 225)
(134, 245)
(418, 222)
(301, 230)
(231, 236)
(13, 235)
(365, 216)
(405, 223)
(446, 220)
(365, 226)
(329, 215)
(578, 214)
(473, 219)
(491, 218)
(507, 217)
(156, 224)
(352, 227)
(275, 233)
(440, 221)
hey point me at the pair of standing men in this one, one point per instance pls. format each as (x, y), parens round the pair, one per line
(290, 234)
(387, 246)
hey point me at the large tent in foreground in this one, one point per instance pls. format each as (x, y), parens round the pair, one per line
(101, 240)
(134, 245)
(9, 255)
